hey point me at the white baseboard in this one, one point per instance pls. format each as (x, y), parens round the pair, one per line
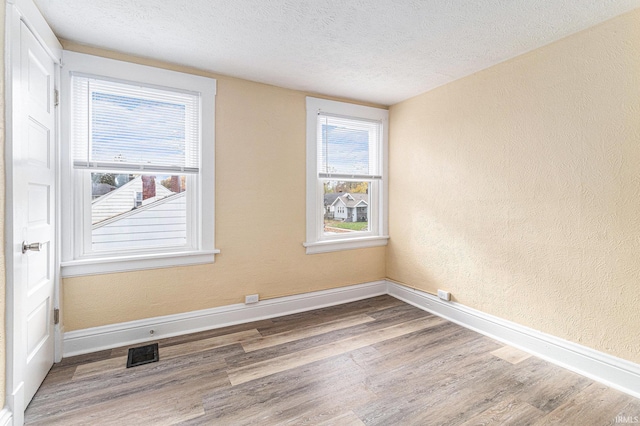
(6, 419)
(606, 369)
(111, 336)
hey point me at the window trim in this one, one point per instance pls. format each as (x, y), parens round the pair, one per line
(316, 241)
(75, 263)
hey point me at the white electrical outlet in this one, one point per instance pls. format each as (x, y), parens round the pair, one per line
(444, 295)
(252, 298)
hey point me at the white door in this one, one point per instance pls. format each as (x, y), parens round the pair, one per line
(34, 195)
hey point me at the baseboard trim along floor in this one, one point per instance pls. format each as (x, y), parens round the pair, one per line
(604, 368)
(94, 339)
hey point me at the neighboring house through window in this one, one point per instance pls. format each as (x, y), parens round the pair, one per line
(138, 182)
(346, 176)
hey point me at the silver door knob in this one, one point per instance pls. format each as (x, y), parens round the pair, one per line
(32, 246)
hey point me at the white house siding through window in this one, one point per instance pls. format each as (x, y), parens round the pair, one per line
(144, 211)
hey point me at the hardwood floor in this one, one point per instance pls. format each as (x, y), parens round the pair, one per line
(375, 361)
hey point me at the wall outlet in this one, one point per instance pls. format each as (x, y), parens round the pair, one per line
(252, 298)
(444, 295)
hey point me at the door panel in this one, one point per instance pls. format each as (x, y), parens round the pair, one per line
(38, 330)
(38, 269)
(38, 145)
(34, 209)
(38, 82)
(38, 208)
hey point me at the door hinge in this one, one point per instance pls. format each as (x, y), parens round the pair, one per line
(56, 316)
(56, 97)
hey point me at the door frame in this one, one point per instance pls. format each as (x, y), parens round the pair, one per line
(18, 11)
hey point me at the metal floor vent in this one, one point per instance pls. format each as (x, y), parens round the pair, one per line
(142, 355)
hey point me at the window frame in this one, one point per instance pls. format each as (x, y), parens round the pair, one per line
(377, 235)
(75, 260)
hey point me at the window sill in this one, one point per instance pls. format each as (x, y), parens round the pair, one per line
(346, 244)
(76, 268)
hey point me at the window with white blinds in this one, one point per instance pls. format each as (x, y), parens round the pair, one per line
(348, 147)
(138, 178)
(346, 169)
(123, 126)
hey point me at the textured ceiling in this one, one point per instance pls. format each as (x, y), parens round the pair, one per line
(380, 51)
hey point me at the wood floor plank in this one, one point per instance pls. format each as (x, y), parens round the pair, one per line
(296, 359)
(506, 412)
(595, 405)
(629, 414)
(547, 386)
(59, 376)
(83, 359)
(345, 419)
(391, 313)
(301, 333)
(511, 354)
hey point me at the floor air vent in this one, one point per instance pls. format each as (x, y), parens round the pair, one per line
(142, 355)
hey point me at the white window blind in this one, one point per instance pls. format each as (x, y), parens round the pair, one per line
(347, 147)
(128, 126)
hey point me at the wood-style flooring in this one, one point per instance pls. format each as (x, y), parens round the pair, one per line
(376, 361)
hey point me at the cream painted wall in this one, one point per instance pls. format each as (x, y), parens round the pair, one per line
(3, 342)
(260, 221)
(518, 189)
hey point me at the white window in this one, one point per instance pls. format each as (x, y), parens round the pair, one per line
(137, 176)
(346, 168)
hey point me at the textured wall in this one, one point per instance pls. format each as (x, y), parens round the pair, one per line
(518, 189)
(260, 223)
(3, 343)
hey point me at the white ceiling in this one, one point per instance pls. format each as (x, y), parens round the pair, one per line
(380, 51)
